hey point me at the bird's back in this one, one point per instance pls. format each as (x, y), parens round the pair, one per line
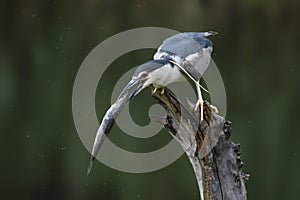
(192, 50)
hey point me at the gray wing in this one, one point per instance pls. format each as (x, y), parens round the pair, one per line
(180, 45)
(185, 44)
(198, 63)
(191, 50)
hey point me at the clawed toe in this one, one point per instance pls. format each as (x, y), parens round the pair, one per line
(156, 89)
(215, 109)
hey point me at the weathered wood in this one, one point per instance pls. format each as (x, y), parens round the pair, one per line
(215, 159)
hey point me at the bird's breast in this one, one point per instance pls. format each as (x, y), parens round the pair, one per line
(165, 75)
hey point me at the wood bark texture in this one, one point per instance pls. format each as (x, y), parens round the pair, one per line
(215, 158)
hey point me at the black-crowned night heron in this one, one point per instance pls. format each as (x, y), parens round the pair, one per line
(182, 55)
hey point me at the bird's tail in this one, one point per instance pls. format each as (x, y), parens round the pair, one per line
(131, 90)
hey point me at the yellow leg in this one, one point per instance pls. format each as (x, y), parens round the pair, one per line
(162, 90)
(200, 101)
(154, 90)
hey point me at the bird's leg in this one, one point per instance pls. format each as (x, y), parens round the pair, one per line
(198, 86)
(154, 90)
(199, 101)
(190, 76)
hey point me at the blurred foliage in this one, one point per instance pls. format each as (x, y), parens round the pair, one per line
(43, 44)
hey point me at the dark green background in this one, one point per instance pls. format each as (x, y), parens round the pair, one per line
(43, 44)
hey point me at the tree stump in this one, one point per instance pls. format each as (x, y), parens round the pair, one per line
(215, 158)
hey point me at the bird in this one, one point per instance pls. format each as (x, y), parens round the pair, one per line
(191, 52)
(182, 56)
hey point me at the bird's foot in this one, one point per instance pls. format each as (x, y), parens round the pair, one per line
(154, 90)
(199, 103)
(162, 90)
(215, 109)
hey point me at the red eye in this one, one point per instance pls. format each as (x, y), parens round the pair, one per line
(143, 74)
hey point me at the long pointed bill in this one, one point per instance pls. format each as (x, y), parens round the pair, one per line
(132, 88)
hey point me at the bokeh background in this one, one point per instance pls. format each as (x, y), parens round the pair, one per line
(43, 44)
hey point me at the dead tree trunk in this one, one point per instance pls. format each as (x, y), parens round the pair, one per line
(217, 169)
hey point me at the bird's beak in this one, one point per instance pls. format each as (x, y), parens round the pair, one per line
(212, 33)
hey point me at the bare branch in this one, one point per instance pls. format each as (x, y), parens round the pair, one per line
(217, 165)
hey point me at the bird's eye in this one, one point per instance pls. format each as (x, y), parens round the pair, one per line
(143, 75)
